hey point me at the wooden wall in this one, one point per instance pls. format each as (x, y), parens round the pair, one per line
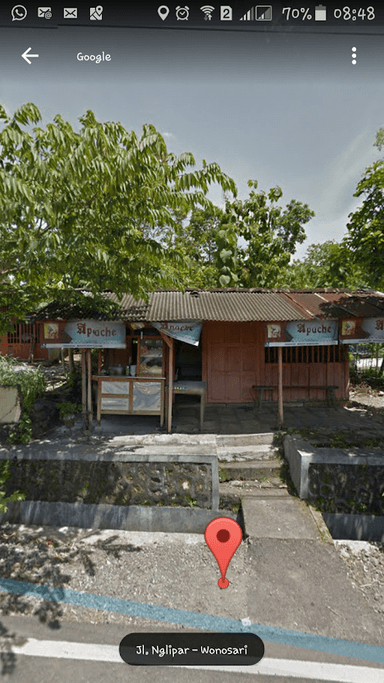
(233, 360)
(18, 343)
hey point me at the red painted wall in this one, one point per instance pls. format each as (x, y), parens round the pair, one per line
(233, 359)
(18, 348)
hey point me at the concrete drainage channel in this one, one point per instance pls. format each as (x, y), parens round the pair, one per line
(69, 480)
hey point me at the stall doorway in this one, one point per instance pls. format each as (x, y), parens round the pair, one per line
(187, 362)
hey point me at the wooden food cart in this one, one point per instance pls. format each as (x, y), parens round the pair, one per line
(142, 394)
(130, 396)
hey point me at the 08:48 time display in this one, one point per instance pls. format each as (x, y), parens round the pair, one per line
(350, 13)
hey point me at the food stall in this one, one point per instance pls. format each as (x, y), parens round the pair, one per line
(141, 392)
(130, 375)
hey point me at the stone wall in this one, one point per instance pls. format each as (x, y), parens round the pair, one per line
(117, 483)
(351, 489)
(339, 480)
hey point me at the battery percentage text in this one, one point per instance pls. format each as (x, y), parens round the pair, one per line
(294, 13)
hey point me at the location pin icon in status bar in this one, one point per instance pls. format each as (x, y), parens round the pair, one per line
(163, 11)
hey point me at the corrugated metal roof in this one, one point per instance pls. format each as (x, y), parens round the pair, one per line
(234, 304)
(245, 306)
(168, 305)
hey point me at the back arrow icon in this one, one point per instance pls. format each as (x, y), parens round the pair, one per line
(26, 54)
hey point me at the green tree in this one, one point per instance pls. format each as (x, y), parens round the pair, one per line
(329, 264)
(247, 244)
(88, 208)
(366, 224)
(270, 232)
(196, 238)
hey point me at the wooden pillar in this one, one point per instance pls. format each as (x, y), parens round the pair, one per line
(99, 362)
(170, 385)
(70, 361)
(280, 390)
(169, 342)
(84, 386)
(89, 388)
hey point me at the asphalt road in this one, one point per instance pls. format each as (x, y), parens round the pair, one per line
(84, 652)
(297, 585)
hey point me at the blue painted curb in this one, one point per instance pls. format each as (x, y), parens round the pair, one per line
(208, 622)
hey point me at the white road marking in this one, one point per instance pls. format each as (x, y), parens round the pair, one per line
(320, 671)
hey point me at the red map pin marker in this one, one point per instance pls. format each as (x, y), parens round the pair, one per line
(223, 537)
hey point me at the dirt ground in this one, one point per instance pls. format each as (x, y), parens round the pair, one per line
(144, 567)
(365, 396)
(141, 567)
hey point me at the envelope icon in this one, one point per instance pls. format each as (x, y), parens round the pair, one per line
(70, 12)
(43, 11)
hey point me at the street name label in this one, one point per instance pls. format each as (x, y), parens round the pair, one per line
(188, 649)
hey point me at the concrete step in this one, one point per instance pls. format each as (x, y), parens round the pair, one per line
(272, 515)
(251, 469)
(263, 452)
(237, 440)
(165, 440)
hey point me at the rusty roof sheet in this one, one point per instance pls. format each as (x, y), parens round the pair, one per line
(233, 304)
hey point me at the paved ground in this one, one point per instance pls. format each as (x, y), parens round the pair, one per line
(357, 418)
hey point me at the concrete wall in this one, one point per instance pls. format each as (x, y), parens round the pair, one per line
(355, 527)
(335, 473)
(347, 485)
(129, 518)
(61, 491)
(10, 404)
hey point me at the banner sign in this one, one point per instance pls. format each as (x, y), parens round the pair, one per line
(188, 332)
(303, 333)
(362, 331)
(82, 334)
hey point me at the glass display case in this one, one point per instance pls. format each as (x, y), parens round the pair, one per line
(151, 358)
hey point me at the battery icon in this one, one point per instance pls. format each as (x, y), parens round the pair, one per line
(320, 13)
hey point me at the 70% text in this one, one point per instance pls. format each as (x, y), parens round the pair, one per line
(294, 13)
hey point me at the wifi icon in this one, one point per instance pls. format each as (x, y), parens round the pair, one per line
(207, 9)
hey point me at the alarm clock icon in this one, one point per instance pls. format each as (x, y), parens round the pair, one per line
(182, 13)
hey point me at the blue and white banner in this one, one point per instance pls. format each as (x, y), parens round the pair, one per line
(188, 332)
(303, 333)
(83, 334)
(370, 330)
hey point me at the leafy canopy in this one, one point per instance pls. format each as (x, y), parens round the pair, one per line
(366, 225)
(85, 208)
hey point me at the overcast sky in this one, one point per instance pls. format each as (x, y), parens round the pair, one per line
(285, 109)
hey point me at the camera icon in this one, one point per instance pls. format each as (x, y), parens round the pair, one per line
(182, 13)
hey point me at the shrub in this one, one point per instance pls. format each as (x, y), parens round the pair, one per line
(69, 408)
(15, 496)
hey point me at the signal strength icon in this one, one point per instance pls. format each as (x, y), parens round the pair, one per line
(207, 9)
(258, 13)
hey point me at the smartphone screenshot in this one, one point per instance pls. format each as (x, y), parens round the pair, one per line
(191, 342)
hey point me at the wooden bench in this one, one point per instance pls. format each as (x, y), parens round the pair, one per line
(261, 388)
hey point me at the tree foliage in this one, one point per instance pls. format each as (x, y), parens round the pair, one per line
(366, 225)
(329, 264)
(248, 243)
(85, 208)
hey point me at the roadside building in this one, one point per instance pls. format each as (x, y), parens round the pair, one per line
(227, 345)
